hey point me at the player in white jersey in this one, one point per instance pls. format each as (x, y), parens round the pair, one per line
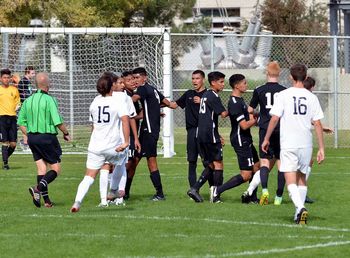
(110, 119)
(296, 108)
(118, 179)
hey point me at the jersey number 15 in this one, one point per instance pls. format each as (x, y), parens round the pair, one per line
(103, 114)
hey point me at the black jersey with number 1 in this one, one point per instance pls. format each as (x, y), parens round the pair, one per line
(264, 96)
(210, 109)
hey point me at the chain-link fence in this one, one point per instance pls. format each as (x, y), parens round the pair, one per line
(327, 60)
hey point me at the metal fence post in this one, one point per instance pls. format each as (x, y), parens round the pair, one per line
(212, 67)
(71, 84)
(336, 81)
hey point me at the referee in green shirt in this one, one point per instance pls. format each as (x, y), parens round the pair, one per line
(39, 120)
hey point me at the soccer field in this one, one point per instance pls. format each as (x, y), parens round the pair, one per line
(177, 227)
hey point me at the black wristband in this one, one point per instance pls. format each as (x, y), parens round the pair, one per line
(66, 134)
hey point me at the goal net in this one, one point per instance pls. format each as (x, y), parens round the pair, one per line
(76, 57)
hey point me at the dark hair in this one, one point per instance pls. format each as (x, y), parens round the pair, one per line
(309, 83)
(215, 76)
(235, 79)
(112, 75)
(5, 71)
(140, 70)
(28, 68)
(298, 72)
(199, 72)
(104, 84)
(126, 73)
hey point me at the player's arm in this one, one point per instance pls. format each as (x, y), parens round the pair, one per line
(319, 135)
(166, 103)
(272, 125)
(134, 131)
(126, 133)
(135, 97)
(244, 124)
(65, 132)
(224, 114)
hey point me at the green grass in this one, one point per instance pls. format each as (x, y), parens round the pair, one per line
(177, 227)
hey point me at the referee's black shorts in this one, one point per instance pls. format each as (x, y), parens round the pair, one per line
(8, 129)
(192, 145)
(45, 146)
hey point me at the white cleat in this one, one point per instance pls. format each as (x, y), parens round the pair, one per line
(75, 207)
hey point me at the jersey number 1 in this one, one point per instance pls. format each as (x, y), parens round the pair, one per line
(103, 111)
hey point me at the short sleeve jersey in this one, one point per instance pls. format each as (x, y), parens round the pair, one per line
(150, 101)
(210, 109)
(297, 109)
(265, 96)
(25, 88)
(191, 109)
(106, 113)
(9, 100)
(40, 114)
(238, 111)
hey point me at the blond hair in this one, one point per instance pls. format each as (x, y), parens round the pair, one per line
(273, 69)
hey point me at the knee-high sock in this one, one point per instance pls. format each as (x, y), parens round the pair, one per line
(49, 177)
(231, 183)
(122, 181)
(203, 178)
(11, 150)
(157, 182)
(295, 196)
(83, 188)
(281, 181)
(103, 185)
(254, 183)
(264, 176)
(5, 154)
(302, 192)
(118, 172)
(192, 172)
(218, 175)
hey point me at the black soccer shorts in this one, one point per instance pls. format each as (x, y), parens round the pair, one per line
(274, 148)
(210, 152)
(192, 145)
(8, 129)
(247, 156)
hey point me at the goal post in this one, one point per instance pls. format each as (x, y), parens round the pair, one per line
(76, 57)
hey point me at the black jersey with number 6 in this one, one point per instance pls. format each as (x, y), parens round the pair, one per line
(238, 111)
(210, 109)
(150, 101)
(264, 96)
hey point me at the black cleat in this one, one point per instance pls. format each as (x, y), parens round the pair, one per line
(158, 197)
(36, 196)
(194, 195)
(6, 167)
(309, 200)
(246, 198)
(302, 217)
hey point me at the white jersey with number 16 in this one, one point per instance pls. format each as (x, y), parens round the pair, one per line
(297, 109)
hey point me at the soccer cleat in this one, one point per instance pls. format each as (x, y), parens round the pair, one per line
(309, 200)
(119, 201)
(278, 200)
(245, 197)
(75, 207)
(102, 205)
(36, 196)
(194, 195)
(6, 167)
(158, 197)
(302, 217)
(112, 195)
(126, 197)
(264, 199)
(48, 204)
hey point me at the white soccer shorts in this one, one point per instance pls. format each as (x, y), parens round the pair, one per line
(293, 160)
(95, 160)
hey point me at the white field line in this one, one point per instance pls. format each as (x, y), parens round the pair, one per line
(45, 234)
(166, 218)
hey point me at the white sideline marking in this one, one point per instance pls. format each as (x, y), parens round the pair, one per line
(281, 250)
(63, 234)
(315, 228)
